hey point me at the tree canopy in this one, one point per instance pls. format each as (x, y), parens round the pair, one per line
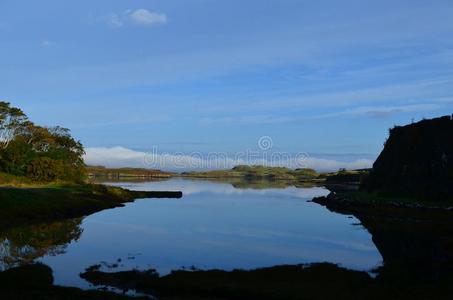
(40, 153)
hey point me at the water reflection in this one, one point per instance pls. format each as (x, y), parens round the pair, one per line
(229, 225)
(24, 244)
(239, 183)
(215, 225)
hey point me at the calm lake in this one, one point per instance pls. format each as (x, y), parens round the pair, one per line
(214, 225)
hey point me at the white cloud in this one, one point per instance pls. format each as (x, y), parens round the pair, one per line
(123, 157)
(145, 17)
(139, 16)
(114, 157)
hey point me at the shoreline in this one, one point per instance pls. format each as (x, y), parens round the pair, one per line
(356, 201)
(30, 205)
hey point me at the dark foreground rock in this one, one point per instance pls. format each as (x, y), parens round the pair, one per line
(417, 161)
(35, 282)
(316, 281)
(416, 243)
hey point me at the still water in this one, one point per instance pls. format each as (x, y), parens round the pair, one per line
(214, 225)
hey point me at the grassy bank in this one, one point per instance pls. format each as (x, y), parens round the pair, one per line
(115, 173)
(17, 181)
(24, 205)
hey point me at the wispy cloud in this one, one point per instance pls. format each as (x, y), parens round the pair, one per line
(417, 91)
(145, 17)
(139, 16)
(113, 20)
(383, 111)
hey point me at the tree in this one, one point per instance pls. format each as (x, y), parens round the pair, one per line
(41, 153)
(12, 121)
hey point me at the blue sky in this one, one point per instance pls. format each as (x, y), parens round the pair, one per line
(324, 77)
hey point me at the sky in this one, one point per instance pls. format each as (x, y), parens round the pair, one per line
(137, 81)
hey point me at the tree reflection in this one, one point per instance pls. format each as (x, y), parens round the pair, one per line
(22, 245)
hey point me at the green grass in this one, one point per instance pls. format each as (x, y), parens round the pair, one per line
(19, 206)
(11, 180)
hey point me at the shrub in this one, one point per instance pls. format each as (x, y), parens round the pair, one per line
(45, 169)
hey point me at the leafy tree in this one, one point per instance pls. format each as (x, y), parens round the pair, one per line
(12, 120)
(45, 169)
(41, 153)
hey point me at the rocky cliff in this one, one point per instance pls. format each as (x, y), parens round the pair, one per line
(417, 161)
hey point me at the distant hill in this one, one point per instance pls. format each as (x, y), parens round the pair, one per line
(417, 161)
(258, 173)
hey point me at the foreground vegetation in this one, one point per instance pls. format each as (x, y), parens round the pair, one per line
(39, 153)
(42, 174)
(20, 206)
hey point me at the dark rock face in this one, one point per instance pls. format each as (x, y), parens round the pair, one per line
(417, 161)
(415, 243)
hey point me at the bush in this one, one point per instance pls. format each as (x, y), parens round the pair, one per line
(45, 169)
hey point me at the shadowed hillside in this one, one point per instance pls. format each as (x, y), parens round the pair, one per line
(417, 161)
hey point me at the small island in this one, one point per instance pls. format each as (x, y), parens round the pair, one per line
(258, 172)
